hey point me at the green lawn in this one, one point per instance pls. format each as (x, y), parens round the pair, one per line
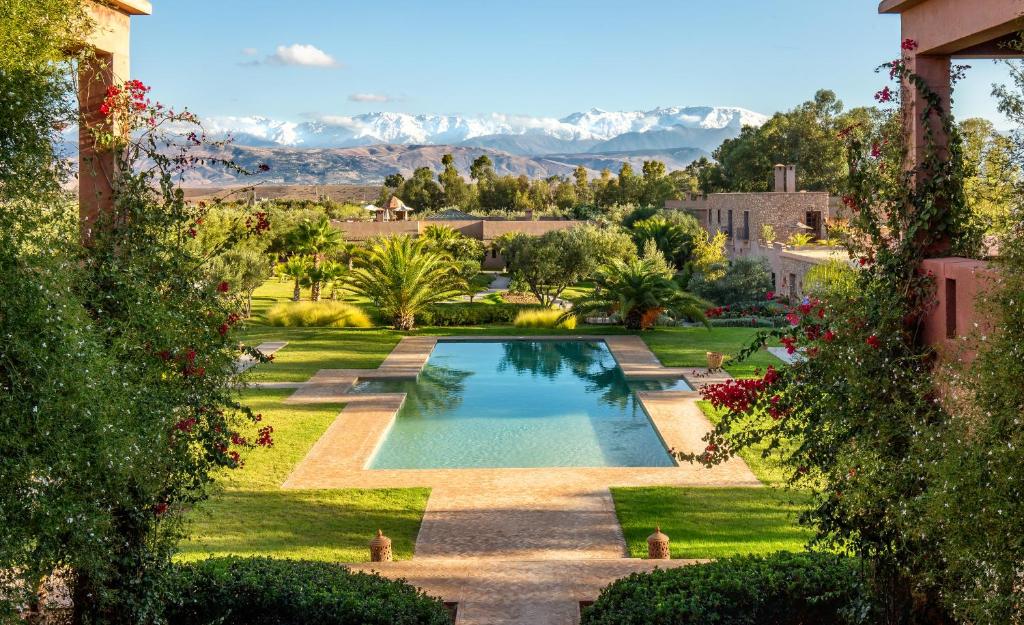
(712, 522)
(709, 522)
(688, 347)
(251, 515)
(768, 466)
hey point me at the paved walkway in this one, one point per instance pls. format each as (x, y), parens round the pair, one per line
(512, 546)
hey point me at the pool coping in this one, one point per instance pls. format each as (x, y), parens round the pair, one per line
(342, 454)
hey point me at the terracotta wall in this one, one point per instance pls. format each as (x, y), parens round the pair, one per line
(954, 315)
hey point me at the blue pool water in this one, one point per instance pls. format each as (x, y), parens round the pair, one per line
(520, 404)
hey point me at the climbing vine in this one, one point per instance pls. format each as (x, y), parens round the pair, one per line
(858, 416)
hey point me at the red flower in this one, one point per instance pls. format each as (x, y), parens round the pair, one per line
(829, 336)
(793, 319)
(223, 287)
(909, 44)
(874, 341)
(885, 95)
(190, 355)
(876, 150)
(223, 329)
(185, 425)
(862, 260)
(790, 343)
(160, 508)
(850, 202)
(105, 109)
(237, 439)
(264, 439)
(770, 295)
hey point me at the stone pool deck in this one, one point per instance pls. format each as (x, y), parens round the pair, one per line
(520, 546)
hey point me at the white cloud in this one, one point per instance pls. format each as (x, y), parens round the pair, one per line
(302, 54)
(250, 51)
(370, 97)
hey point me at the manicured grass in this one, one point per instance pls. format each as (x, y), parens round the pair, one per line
(688, 347)
(312, 349)
(712, 522)
(716, 522)
(767, 467)
(250, 514)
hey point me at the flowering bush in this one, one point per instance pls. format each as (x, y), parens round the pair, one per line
(877, 447)
(117, 368)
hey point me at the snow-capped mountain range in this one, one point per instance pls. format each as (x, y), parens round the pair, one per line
(702, 127)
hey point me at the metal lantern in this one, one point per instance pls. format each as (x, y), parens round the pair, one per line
(380, 548)
(657, 546)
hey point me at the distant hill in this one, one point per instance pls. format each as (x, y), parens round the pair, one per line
(363, 149)
(368, 165)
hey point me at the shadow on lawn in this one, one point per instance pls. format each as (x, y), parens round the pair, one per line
(331, 525)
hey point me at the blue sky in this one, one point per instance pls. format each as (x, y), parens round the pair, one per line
(530, 57)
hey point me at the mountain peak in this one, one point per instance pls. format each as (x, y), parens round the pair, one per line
(578, 130)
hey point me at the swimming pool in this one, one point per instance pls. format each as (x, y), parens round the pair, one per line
(519, 403)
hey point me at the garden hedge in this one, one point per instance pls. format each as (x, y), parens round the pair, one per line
(781, 589)
(265, 591)
(468, 314)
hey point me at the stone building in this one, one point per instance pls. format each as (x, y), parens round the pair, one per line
(485, 230)
(743, 217)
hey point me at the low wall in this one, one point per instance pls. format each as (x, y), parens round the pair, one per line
(953, 316)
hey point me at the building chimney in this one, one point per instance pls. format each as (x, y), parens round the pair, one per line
(790, 178)
(780, 178)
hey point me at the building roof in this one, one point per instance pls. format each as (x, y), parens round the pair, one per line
(452, 214)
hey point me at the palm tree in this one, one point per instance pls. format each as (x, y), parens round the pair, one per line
(296, 268)
(327, 273)
(639, 290)
(316, 238)
(402, 276)
(671, 238)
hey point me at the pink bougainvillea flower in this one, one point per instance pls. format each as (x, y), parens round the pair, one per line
(909, 44)
(770, 295)
(885, 95)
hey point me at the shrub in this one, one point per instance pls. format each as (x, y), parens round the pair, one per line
(782, 589)
(832, 281)
(544, 318)
(264, 591)
(317, 314)
(467, 314)
(799, 239)
(745, 280)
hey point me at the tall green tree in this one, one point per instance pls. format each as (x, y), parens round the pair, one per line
(421, 192)
(991, 177)
(456, 193)
(316, 239)
(807, 136)
(556, 260)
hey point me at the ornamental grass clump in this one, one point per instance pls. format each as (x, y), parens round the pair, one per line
(318, 315)
(545, 318)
